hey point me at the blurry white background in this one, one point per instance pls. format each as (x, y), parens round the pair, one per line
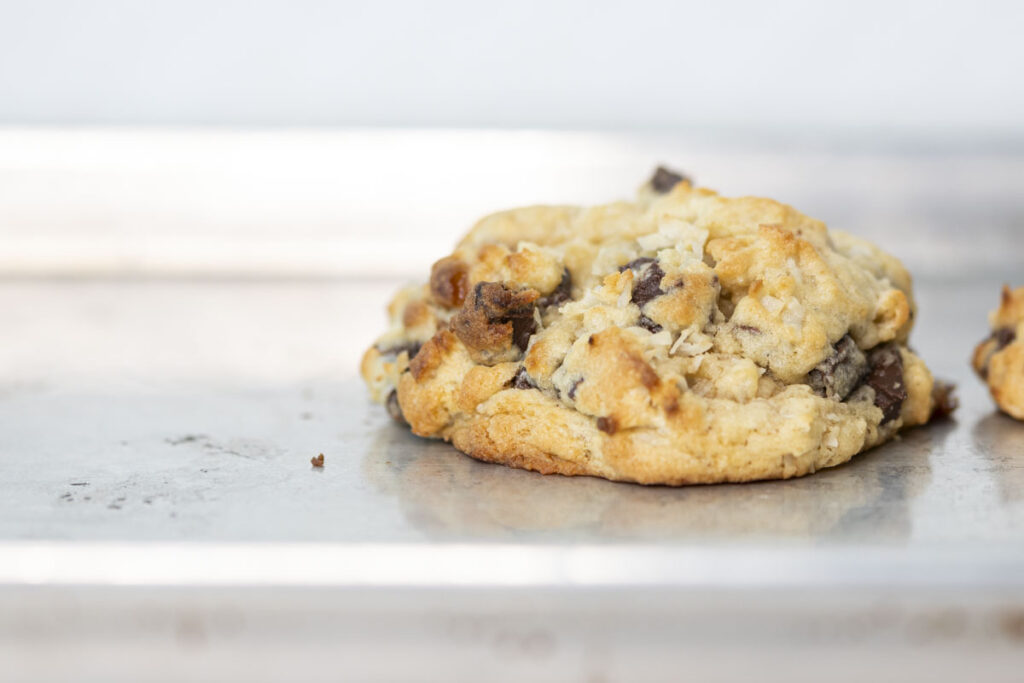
(353, 138)
(532, 63)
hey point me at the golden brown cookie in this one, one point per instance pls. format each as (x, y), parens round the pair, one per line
(999, 359)
(679, 338)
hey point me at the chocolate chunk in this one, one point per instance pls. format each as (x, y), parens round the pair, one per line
(886, 378)
(664, 180)
(996, 342)
(636, 264)
(649, 324)
(521, 380)
(411, 347)
(573, 388)
(449, 281)
(522, 329)
(1004, 336)
(648, 284)
(561, 293)
(494, 315)
(838, 375)
(395, 410)
(607, 425)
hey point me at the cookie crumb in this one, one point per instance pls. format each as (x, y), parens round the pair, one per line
(944, 400)
(317, 461)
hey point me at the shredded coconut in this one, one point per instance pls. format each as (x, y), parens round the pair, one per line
(771, 304)
(691, 342)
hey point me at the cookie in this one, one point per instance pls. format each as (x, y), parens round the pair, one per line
(679, 338)
(999, 359)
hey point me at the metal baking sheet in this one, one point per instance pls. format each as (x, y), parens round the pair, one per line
(157, 490)
(190, 411)
(160, 518)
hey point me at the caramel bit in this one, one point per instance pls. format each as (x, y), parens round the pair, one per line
(494, 317)
(416, 313)
(317, 461)
(449, 281)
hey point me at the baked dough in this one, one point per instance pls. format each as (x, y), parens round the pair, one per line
(679, 338)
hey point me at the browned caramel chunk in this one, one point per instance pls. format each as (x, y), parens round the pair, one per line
(449, 281)
(496, 322)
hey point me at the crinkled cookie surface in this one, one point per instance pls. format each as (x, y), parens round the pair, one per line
(680, 338)
(999, 359)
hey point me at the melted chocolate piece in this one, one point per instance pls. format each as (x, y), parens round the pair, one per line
(411, 347)
(522, 329)
(886, 378)
(1004, 336)
(843, 371)
(750, 329)
(636, 264)
(521, 380)
(648, 284)
(607, 425)
(561, 293)
(573, 388)
(395, 410)
(649, 324)
(664, 180)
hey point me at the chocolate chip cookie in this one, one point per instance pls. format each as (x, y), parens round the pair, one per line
(999, 359)
(679, 338)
